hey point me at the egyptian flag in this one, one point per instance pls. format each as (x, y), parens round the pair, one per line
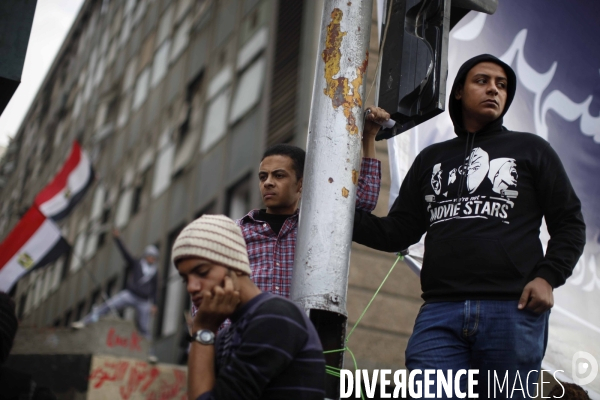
(34, 242)
(57, 199)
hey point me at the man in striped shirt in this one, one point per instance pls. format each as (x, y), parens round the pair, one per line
(270, 351)
(271, 233)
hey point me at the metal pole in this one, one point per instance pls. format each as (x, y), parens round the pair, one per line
(322, 257)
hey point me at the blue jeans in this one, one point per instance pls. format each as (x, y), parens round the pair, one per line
(120, 301)
(492, 336)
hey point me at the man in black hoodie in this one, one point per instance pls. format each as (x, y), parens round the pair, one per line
(480, 197)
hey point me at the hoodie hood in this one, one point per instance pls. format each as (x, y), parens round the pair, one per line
(150, 250)
(455, 108)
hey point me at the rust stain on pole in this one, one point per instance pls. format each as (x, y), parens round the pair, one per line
(354, 176)
(341, 92)
(345, 192)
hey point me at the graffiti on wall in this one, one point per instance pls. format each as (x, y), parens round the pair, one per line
(130, 379)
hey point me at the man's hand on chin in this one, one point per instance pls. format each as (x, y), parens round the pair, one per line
(217, 305)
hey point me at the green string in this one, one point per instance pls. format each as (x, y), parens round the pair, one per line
(373, 298)
(336, 371)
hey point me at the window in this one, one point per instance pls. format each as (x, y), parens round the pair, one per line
(91, 244)
(98, 203)
(60, 130)
(80, 311)
(160, 63)
(29, 300)
(248, 90)
(124, 208)
(76, 257)
(139, 191)
(38, 283)
(139, 12)
(104, 41)
(66, 264)
(22, 303)
(99, 72)
(186, 140)
(141, 89)
(125, 29)
(112, 52)
(218, 97)
(100, 116)
(182, 8)
(77, 105)
(172, 293)
(147, 50)
(130, 6)
(162, 171)
(57, 274)
(68, 315)
(238, 199)
(103, 222)
(87, 90)
(129, 76)
(215, 123)
(181, 39)
(111, 287)
(48, 275)
(124, 111)
(252, 48)
(164, 26)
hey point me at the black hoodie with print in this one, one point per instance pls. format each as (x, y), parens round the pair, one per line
(480, 197)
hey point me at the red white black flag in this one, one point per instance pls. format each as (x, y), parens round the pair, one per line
(34, 242)
(57, 199)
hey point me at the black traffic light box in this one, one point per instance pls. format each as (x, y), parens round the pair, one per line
(414, 57)
(16, 19)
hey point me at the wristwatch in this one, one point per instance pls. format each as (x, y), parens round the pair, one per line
(203, 336)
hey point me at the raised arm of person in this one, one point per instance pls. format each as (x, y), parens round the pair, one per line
(124, 252)
(405, 223)
(369, 179)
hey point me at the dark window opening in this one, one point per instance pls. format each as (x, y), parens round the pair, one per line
(138, 192)
(22, 303)
(66, 264)
(80, 310)
(111, 286)
(68, 315)
(104, 220)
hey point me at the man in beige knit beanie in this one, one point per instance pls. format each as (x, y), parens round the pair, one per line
(270, 350)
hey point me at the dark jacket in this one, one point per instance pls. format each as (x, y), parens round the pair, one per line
(480, 197)
(136, 282)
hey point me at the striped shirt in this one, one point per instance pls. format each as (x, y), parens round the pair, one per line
(272, 255)
(251, 362)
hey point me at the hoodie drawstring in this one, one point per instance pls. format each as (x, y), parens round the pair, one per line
(467, 164)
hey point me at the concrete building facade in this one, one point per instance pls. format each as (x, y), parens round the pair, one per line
(175, 101)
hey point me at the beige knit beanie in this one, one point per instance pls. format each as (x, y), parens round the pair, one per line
(215, 238)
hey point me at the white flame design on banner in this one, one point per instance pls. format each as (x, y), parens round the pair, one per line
(537, 82)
